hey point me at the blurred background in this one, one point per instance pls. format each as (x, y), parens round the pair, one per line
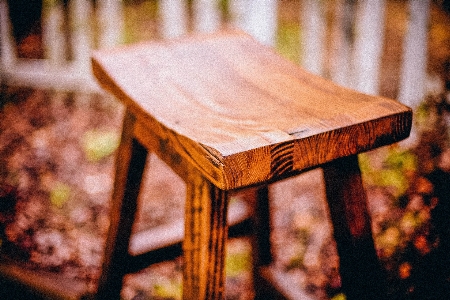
(59, 133)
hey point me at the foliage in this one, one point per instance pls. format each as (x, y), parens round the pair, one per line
(59, 194)
(288, 40)
(99, 144)
(139, 14)
(394, 174)
(339, 297)
(409, 239)
(168, 290)
(51, 3)
(236, 263)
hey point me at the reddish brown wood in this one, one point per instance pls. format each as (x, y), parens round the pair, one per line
(154, 137)
(204, 243)
(239, 112)
(361, 273)
(261, 246)
(225, 112)
(130, 162)
(262, 227)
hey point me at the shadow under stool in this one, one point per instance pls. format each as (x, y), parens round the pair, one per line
(227, 113)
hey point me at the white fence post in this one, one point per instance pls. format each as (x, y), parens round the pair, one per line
(368, 47)
(262, 21)
(206, 15)
(173, 18)
(313, 28)
(341, 43)
(256, 17)
(7, 48)
(80, 12)
(413, 72)
(239, 10)
(110, 21)
(355, 59)
(54, 41)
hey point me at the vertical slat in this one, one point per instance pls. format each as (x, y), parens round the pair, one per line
(369, 29)
(7, 48)
(341, 42)
(130, 162)
(55, 46)
(413, 71)
(206, 15)
(81, 31)
(238, 11)
(256, 17)
(173, 15)
(110, 20)
(313, 24)
(357, 44)
(262, 21)
(204, 242)
(361, 273)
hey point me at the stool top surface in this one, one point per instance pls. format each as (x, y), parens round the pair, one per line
(254, 115)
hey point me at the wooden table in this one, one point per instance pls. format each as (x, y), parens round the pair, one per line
(226, 113)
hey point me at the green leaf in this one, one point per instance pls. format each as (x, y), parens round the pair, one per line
(369, 174)
(395, 179)
(168, 290)
(99, 144)
(409, 222)
(236, 263)
(288, 37)
(296, 262)
(60, 194)
(390, 238)
(401, 160)
(340, 296)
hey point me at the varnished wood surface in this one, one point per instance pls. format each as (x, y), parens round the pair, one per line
(206, 231)
(239, 112)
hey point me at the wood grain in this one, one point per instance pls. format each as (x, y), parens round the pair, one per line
(204, 244)
(225, 112)
(242, 114)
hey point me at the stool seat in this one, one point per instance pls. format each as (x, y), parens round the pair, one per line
(240, 113)
(225, 112)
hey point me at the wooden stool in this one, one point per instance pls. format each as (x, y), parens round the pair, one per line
(225, 112)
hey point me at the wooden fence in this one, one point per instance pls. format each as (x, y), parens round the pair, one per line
(347, 50)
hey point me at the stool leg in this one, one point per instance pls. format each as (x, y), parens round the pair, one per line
(262, 224)
(361, 272)
(261, 247)
(130, 162)
(205, 236)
